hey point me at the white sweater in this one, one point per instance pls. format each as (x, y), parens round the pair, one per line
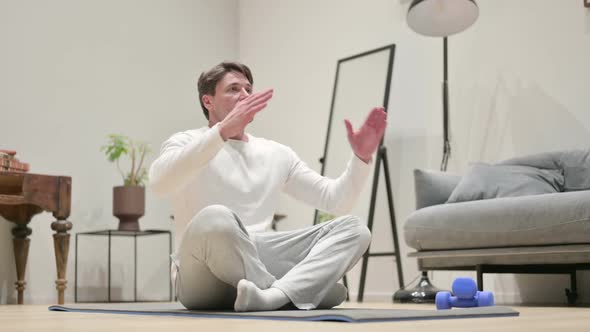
(196, 168)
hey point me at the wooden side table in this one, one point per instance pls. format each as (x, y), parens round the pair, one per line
(23, 195)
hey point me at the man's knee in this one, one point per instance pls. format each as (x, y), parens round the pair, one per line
(360, 231)
(215, 221)
(213, 211)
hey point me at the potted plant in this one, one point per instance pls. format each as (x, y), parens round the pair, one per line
(128, 199)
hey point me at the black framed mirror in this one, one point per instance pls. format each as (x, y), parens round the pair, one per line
(362, 81)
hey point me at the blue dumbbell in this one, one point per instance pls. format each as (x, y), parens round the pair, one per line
(466, 296)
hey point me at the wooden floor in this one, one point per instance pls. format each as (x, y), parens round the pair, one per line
(38, 318)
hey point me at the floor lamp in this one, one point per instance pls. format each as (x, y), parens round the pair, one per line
(437, 18)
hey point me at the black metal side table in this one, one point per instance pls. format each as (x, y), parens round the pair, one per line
(135, 235)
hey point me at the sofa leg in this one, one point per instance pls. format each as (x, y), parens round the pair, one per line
(572, 295)
(479, 270)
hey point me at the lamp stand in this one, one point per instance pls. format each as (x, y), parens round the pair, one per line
(425, 292)
(445, 88)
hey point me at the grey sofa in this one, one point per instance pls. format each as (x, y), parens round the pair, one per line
(544, 233)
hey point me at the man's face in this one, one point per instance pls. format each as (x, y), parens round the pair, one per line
(232, 88)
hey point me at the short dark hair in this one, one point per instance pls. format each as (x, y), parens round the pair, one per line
(209, 79)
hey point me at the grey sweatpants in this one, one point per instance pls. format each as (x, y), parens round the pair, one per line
(216, 252)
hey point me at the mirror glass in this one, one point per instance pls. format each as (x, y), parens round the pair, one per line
(361, 84)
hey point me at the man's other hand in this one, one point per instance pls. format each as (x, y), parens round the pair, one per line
(365, 141)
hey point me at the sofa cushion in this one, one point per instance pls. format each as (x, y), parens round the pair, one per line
(433, 187)
(548, 219)
(484, 181)
(574, 163)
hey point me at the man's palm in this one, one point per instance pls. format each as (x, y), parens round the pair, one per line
(366, 140)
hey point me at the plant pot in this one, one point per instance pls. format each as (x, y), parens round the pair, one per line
(128, 206)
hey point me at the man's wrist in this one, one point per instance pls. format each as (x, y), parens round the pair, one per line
(222, 133)
(366, 160)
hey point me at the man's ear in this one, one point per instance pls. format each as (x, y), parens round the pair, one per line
(208, 102)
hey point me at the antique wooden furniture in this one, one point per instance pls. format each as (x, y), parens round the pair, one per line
(23, 195)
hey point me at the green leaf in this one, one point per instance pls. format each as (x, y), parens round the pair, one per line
(120, 145)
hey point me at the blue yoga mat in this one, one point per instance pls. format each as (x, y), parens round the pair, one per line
(350, 315)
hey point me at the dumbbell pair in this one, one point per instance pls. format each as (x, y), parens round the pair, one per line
(466, 296)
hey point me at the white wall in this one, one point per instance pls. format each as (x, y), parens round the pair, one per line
(518, 85)
(71, 73)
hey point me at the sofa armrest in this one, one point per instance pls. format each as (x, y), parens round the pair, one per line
(433, 187)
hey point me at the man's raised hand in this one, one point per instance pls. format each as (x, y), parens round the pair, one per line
(243, 113)
(366, 140)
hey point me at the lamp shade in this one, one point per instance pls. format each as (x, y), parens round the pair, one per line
(441, 18)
